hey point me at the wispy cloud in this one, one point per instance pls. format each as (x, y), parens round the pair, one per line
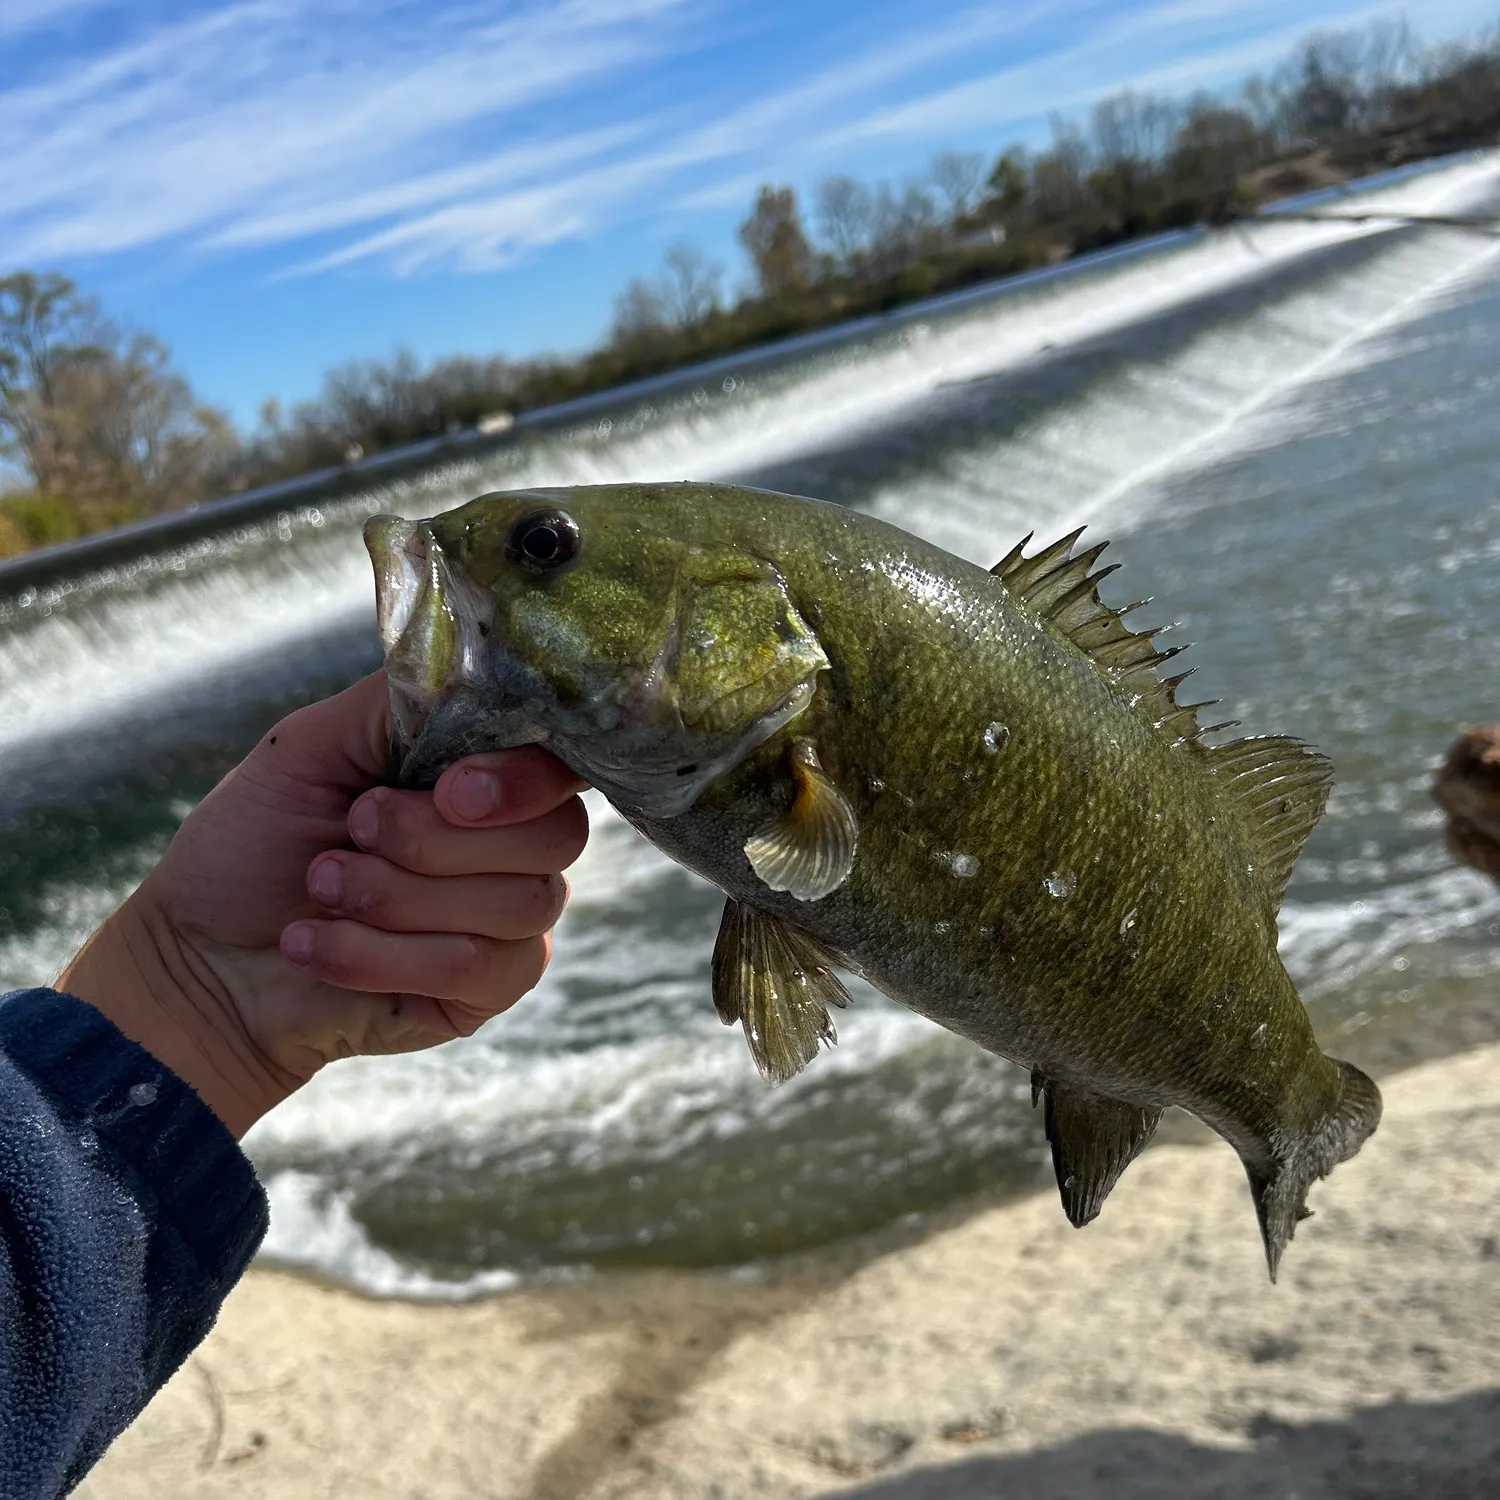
(251, 112)
(484, 233)
(17, 17)
(408, 134)
(1119, 52)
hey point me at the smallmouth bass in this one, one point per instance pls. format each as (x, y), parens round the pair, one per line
(973, 789)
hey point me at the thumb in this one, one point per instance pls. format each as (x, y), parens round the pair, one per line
(343, 741)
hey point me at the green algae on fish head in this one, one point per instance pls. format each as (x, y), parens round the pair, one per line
(650, 657)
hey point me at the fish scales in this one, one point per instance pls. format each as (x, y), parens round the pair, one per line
(894, 762)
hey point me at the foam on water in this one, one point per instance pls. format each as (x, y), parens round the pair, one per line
(313, 1230)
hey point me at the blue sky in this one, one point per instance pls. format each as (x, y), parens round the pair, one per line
(274, 186)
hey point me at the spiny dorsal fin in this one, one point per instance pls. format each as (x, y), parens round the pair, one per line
(1093, 1139)
(1061, 588)
(1279, 786)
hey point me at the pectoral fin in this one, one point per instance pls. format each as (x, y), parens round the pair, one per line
(777, 981)
(1093, 1140)
(809, 850)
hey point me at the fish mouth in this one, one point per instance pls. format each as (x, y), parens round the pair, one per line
(399, 551)
(433, 622)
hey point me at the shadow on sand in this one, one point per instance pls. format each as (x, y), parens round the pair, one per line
(1449, 1451)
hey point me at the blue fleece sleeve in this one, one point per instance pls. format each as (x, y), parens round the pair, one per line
(127, 1211)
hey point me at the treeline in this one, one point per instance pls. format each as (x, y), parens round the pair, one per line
(101, 428)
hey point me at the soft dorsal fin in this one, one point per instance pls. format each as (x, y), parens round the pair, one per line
(1279, 787)
(1061, 589)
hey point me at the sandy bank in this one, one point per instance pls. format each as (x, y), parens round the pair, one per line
(1005, 1354)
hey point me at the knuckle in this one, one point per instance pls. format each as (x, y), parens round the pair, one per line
(471, 964)
(401, 836)
(336, 960)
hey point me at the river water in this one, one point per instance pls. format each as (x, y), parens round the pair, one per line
(1290, 433)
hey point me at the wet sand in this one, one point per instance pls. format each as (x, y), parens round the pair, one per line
(998, 1353)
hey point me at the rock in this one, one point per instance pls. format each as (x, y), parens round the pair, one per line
(1468, 790)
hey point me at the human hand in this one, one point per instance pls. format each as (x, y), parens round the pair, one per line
(264, 945)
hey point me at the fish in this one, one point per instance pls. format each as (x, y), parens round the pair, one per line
(974, 789)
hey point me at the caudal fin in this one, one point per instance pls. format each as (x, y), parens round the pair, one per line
(1281, 1193)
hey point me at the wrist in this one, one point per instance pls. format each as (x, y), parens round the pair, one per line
(138, 973)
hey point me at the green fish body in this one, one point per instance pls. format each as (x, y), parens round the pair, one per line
(973, 789)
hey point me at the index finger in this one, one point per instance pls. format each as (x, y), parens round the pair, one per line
(503, 787)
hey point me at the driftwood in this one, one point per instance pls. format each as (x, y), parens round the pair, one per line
(1468, 790)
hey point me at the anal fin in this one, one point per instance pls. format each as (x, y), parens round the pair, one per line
(1093, 1140)
(776, 981)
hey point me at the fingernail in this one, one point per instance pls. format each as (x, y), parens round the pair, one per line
(297, 943)
(326, 882)
(475, 794)
(364, 822)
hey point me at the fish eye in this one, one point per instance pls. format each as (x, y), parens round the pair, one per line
(546, 541)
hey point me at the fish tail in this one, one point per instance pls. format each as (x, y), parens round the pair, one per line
(1281, 1192)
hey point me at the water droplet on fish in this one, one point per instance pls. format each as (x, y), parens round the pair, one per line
(941, 927)
(996, 738)
(964, 866)
(1258, 1036)
(876, 784)
(1061, 883)
(1129, 922)
(637, 1183)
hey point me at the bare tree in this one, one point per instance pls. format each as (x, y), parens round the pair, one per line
(690, 287)
(845, 210)
(902, 226)
(958, 176)
(1390, 57)
(642, 317)
(1059, 176)
(1133, 127)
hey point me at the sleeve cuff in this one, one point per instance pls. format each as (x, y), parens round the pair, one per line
(151, 1122)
